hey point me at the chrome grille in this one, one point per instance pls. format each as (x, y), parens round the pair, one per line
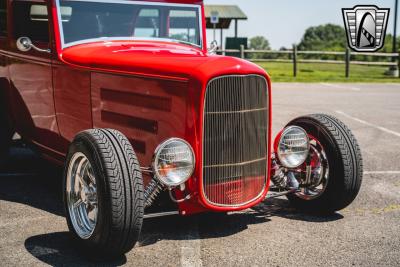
(235, 144)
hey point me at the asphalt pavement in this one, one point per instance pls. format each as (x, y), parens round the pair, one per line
(33, 231)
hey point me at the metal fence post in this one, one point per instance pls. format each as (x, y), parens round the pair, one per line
(294, 60)
(347, 59)
(242, 51)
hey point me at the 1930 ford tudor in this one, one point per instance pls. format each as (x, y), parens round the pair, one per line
(145, 119)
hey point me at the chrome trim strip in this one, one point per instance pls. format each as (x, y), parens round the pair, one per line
(240, 111)
(161, 214)
(236, 164)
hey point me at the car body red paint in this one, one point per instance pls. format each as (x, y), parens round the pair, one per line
(149, 90)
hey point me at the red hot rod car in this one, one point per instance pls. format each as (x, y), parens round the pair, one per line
(144, 118)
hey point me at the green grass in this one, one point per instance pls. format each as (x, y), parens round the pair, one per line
(321, 72)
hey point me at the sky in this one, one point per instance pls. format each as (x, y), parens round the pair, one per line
(283, 22)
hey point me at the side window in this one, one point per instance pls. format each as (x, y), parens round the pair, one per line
(183, 25)
(148, 23)
(3, 18)
(31, 20)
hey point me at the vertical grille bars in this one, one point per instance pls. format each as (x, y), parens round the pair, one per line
(235, 139)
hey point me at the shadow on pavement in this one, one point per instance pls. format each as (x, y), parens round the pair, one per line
(196, 227)
(57, 249)
(280, 207)
(214, 225)
(31, 181)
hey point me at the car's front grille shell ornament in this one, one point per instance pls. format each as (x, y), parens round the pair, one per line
(235, 145)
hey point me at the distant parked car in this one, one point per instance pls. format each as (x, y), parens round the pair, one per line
(126, 95)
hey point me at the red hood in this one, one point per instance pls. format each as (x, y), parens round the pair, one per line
(157, 59)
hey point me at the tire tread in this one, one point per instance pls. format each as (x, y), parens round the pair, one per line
(347, 146)
(124, 190)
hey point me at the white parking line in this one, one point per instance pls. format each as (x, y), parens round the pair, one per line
(381, 172)
(383, 129)
(191, 249)
(352, 88)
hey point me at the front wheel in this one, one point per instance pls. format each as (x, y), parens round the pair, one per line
(335, 165)
(103, 194)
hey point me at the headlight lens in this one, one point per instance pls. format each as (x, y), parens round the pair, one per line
(174, 162)
(293, 147)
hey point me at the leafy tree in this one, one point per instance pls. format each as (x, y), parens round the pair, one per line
(328, 37)
(389, 44)
(259, 43)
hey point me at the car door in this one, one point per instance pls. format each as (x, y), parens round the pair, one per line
(31, 74)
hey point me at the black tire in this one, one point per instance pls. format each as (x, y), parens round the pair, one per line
(119, 192)
(345, 164)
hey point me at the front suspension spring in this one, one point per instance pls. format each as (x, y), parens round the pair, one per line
(152, 191)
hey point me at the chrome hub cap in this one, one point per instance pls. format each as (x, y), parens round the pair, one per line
(82, 196)
(319, 172)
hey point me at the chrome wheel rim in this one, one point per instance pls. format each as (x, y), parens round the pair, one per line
(319, 170)
(82, 198)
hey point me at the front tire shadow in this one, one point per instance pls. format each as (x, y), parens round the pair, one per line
(58, 249)
(281, 207)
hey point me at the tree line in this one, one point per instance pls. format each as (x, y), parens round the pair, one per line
(328, 37)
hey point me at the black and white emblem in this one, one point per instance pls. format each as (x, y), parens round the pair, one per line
(366, 27)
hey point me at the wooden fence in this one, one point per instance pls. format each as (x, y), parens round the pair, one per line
(293, 57)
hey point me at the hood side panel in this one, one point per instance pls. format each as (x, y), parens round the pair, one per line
(147, 111)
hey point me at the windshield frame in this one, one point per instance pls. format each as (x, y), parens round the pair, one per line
(129, 2)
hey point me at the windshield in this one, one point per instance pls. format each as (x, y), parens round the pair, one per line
(83, 21)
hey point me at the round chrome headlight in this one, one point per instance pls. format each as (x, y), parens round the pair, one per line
(293, 147)
(173, 162)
